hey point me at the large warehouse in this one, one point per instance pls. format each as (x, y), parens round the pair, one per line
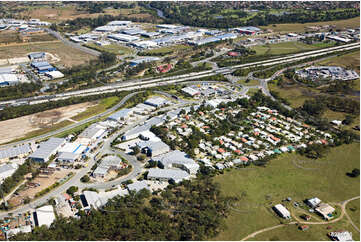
(123, 37)
(47, 149)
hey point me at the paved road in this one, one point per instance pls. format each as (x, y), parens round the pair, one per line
(72, 44)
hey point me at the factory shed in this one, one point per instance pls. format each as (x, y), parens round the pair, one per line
(47, 149)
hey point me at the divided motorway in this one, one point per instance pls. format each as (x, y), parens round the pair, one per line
(147, 82)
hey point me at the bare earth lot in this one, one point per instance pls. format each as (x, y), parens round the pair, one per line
(68, 56)
(44, 181)
(16, 128)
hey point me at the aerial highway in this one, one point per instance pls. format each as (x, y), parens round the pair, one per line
(147, 82)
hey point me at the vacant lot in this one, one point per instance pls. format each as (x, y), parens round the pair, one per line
(289, 175)
(19, 127)
(282, 48)
(44, 181)
(8, 37)
(99, 107)
(284, 28)
(68, 55)
(112, 48)
(296, 95)
(167, 49)
(350, 60)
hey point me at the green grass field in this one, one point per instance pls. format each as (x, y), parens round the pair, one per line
(167, 49)
(99, 108)
(298, 27)
(261, 187)
(295, 95)
(250, 83)
(112, 48)
(283, 48)
(353, 210)
(314, 233)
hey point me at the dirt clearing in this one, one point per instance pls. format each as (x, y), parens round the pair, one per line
(17, 128)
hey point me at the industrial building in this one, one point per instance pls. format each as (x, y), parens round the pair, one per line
(121, 115)
(71, 152)
(43, 66)
(110, 162)
(7, 170)
(37, 56)
(54, 74)
(249, 30)
(44, 216)
(119, 23)
(90, 134)
(13, 152)
(153, 148)
(138, 186)
(178, 159)
(123, 37)
(143, 60)
(47, 149)
(167, 174)
(96, 200)
(156, 102)
(133, 31)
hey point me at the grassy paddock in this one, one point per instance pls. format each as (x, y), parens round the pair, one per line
(99, 108)
(261, 187)
(68, 56)
(298, 27)
(314, 233)
(112, 48)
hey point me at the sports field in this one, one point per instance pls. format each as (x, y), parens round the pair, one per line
(289, 175)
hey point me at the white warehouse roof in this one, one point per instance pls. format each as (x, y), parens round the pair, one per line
(45, 215)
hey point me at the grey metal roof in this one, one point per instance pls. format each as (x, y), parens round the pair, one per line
(111, 160)
(175, 174)
(47, 148)
(158, 145)
(68, 156)
(15, 151)
(7, 167)
(90, 131)
(101, 171)
(137, 186)
(120, 114)
(40, 63)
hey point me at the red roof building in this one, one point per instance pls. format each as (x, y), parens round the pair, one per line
(164, 68)
(243, 158)
(220, 150)
(232, 53)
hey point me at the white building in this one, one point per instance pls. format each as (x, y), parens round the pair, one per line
(123, 37)
(178, 159)
(282, 211)
(167, 174)
(44, 216)
(7, 170)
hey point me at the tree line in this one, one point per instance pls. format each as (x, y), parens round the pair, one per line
(192, 210)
